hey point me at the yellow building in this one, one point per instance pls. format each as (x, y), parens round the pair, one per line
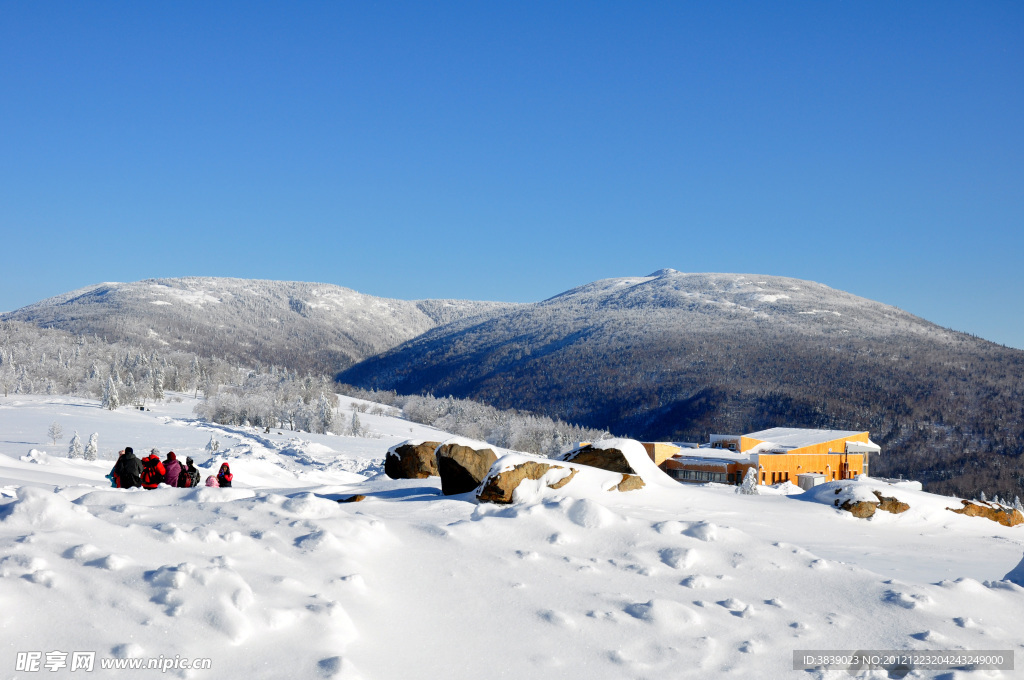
(778, 455)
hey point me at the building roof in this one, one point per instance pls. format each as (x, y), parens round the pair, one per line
(706, 453)
(796, 437)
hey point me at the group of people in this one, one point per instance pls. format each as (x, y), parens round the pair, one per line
(151, 472)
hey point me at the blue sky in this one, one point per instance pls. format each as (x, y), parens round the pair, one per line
(510, 151)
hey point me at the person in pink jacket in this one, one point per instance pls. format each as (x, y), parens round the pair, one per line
(212, 481)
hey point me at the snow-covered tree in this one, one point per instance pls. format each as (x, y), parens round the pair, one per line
(131, 390)
(356, 428)
(981, 497)
(55, 432)
(749, 486)
(158, 384)
(75, 447)
(92, 449)
(213, 445)
(1016, 504)
(110, 399)
(325, 414)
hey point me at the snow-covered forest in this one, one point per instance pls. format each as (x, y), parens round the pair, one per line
(47, 361)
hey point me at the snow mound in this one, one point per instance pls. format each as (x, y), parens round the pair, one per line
(636, 455)
(924, 506)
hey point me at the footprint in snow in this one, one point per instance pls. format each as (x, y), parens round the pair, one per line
(696, 581)
(906, 600)
(678, 558)
(43, 577)
(704, 531)
(111, 562)
(556, 618)
(80, 552)
(560, 538)
(737, 608)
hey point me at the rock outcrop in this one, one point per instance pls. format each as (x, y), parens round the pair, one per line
(462, 468)
(864, 509)
(501, 484)
(612, 460)
(411, 460)
(498, 487)
(1007, 516)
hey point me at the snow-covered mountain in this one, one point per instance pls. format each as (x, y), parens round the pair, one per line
(678, 356)
(671, 355)
(272, 578)
(305, 326)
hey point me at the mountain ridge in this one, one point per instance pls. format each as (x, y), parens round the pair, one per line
(300, 325)
(671, 355)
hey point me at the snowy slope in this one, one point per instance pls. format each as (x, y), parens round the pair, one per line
(274, 579)
(299, 325)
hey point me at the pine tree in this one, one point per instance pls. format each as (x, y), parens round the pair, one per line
(356, 429)
(92, 449)
(749, 486)
(981, 497)
(1016, 504)
(75, 447)
(213, 445)
(110, 400)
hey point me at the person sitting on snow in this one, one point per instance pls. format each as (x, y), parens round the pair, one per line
(224, 477)
(212, 481)
(173, 469)
(189, 475)
(127, 472)
(152, 472)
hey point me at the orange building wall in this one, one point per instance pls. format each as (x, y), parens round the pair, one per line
(661, 451)
(786, 466)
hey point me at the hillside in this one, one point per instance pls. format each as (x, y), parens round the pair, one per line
(302, 326)
(676, 356)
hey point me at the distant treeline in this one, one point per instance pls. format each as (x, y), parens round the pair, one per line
(507, 428)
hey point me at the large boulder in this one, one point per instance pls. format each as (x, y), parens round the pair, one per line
(463, 465)
(511, 471)
(413, 459)
(864, 508)
(1003, 514)
(611, 459)
(499, 486)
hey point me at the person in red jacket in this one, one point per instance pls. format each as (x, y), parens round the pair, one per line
(225, 476)
(153, 471)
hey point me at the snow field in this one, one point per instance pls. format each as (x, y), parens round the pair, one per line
(273, 578)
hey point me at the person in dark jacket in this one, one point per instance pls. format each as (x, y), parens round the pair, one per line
(189, 474)
(172, 469)
(225, 476)
(152, 472)
(127, 472)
